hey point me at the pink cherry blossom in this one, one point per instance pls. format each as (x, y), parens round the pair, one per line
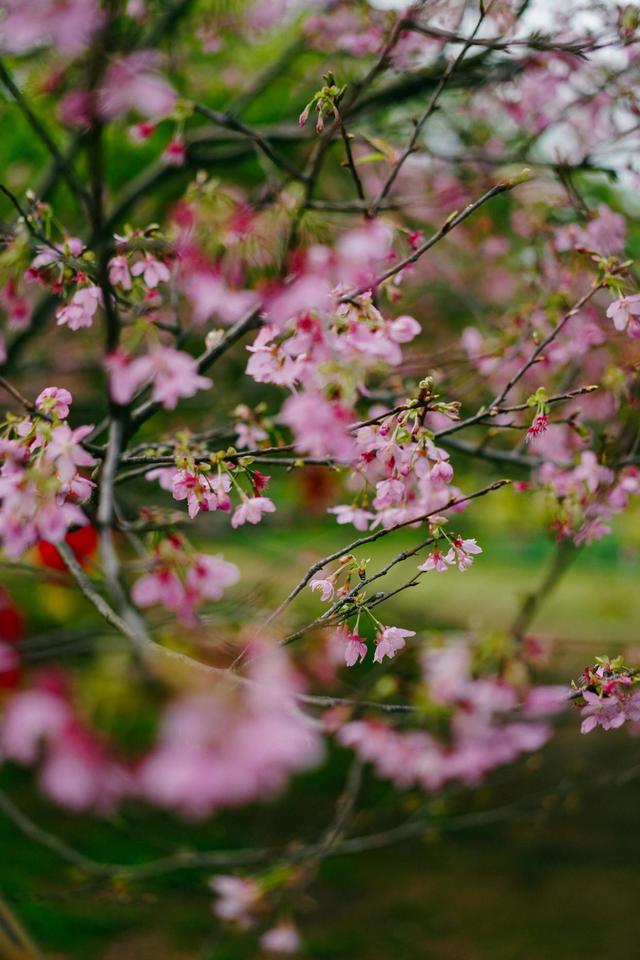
(125, 376)
(66, 451)
(462, 553)
(159, 587)
(217, 752)
(82, 308)
(404, 329)
(355, 649)
(389, 641)
(326, 588)
(69, 27)
(441, 473)
(55, 401)
(131, 83)
(152, 271)
(212, 297)
(320, 427)
(197, 489)
(359, 517)
(75, 109)
(236, 898)
(119, 274)
(29, 718)
(210, 576)
(625, 312)
(542, 701)
(435, 561)
(251, 510)
(283, 938)
(600, 711)
(539, 426)
(175, 153)
(174, 374)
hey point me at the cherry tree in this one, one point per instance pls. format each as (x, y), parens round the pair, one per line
(383, 246)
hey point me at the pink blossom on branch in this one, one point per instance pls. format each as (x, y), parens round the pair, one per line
(390, 641)
(251, 510)
(81, 310)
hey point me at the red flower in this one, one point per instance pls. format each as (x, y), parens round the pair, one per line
(83, 542)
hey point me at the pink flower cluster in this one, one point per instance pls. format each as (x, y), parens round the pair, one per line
(29, 24)
(77, 771)
(181, 579)
(625, 314)
(608, 695)
(309, 333)
(460, 553)
(229, 745)
(240, 900)
(208, 490)
(588, 496)
(40, 480)
(401, 473)
(234, 744)
(388, 641)
(482, 733)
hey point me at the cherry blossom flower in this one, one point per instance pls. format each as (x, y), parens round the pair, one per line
(82, 308)
(211, 297)
(447, 672)
(152, 271)
(175, 153)
(320, 427)
(542, 701)
(55, 401)
(131, 83)
(389, 641)
(625, 313)
(69, 27)
(236, 898)
(249, 435)
(359, 517)
(66, 450)
(119, 274)
(462, 552)
(325, 586)
(283, 938)
(435, 561)
(441, 473)
(75, 109)
(174, 374)
(159, 587)
(404, 329)
(216, 751)
(355, 649)
(210, 576)
(125, 375)
(29, 718)
(539, 426)
(251, 510)
(601, 711)
(198, 490)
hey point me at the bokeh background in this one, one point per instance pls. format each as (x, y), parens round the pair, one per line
(539, 863)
